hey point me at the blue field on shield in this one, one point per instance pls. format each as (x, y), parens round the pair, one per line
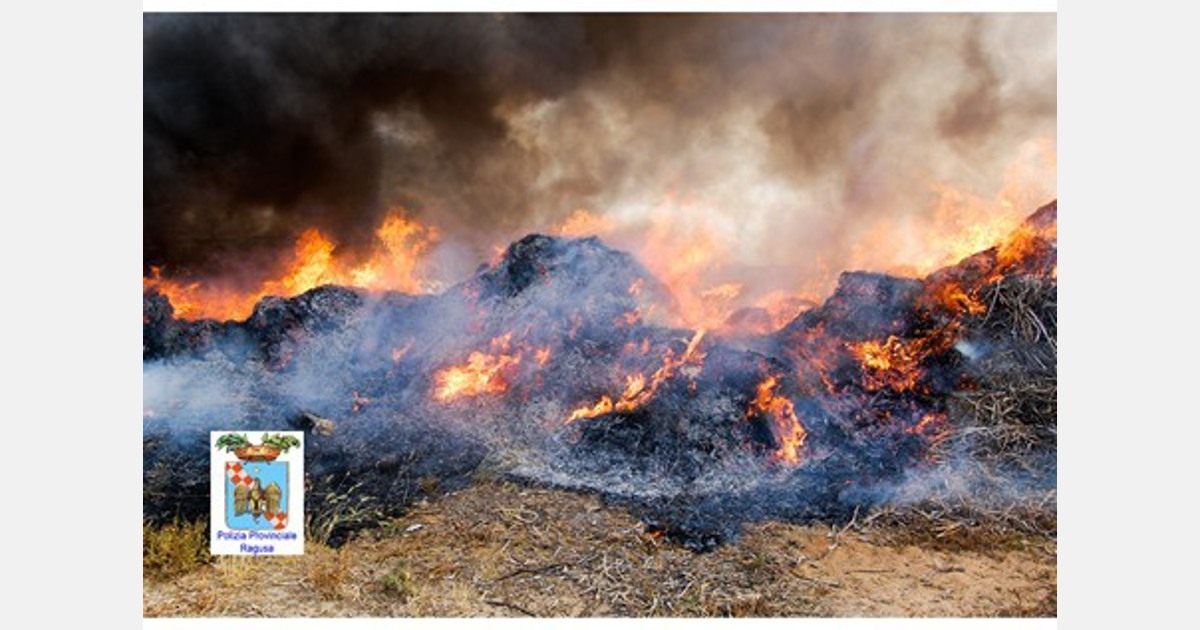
(266, 472)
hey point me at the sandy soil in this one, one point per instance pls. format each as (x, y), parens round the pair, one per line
(499, 549)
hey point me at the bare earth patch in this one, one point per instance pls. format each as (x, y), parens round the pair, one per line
(498, 549)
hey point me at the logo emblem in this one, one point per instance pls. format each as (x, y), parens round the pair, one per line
(258, 498)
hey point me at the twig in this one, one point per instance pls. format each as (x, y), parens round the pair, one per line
(503, 604)
(531, 570)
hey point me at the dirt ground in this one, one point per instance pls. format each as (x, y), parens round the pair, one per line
(498, 549)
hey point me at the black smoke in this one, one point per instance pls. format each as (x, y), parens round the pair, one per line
(259, 126)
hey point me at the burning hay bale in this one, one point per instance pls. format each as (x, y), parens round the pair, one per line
(1009, 417)
(555, 360)
(995, 455)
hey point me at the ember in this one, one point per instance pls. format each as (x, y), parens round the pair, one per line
(850, 393)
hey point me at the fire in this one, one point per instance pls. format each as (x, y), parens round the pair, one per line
(360, 401)
(632, 347)
(893, 363)
(402, 244)
(1022, 243)
(691, 248)
(399, 353)
(185, 297)
(785, 426)
(483, 373)
(630, 318)
(393, 265)
(960, 222)
(603, 406)
(783, 307)
(952, 296)
(681, 245)
(634, 385)
(682, 249)
(584, 223)
(542, 355)
(928, 423)
(637, 392)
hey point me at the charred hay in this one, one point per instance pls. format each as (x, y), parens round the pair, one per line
(957, 406)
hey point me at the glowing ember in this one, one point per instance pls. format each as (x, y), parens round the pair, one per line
(360, 401)
(929, 423)
(892, 364)
(399, 353)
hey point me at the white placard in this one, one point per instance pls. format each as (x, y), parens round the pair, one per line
(257, 490)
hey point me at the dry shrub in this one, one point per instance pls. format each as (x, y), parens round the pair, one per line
(326, 571)
(399, 583)
(173, 549)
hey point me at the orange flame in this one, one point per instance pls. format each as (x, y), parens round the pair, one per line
(483, 373)
(929, 423)
(785, 426)
(584, 223)
(402, 245)
(893, 363)
(1022, 243)
(392, 266)
(961, 222)
(637, 392)
(952, 297)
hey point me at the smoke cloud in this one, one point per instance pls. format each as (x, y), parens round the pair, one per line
(797, 136)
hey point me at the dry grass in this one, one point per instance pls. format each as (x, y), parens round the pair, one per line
(946, 527)
(339, 510)
(497, 549)
(1002, 438)
(1012, 414)
(173, 549)
(326, 571)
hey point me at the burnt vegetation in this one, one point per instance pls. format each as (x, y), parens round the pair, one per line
(932, 396)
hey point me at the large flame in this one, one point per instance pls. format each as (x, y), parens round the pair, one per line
(961, 222)
(691, 248)
(393, 265)
(694, 249)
